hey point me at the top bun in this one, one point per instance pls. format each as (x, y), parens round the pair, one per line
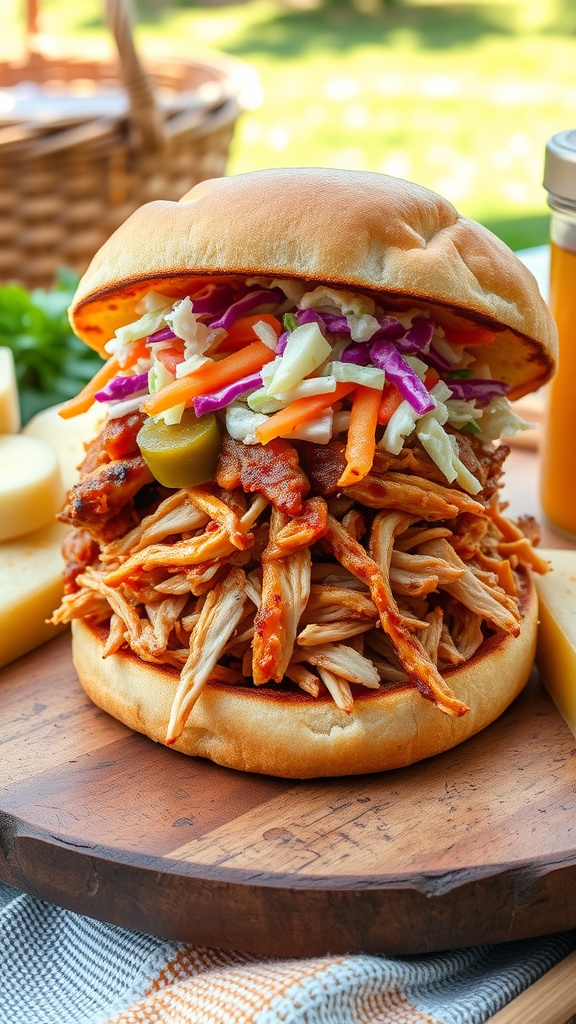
(369, 232)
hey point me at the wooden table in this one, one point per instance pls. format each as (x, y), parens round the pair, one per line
(552, 999)
(475, 845)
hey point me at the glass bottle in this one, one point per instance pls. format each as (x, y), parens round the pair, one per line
(558, 450)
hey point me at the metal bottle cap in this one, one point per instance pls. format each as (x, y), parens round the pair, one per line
(560, 165)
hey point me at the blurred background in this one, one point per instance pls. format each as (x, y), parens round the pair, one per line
(458, 96)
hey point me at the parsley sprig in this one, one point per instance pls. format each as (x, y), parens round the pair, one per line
(52, 364)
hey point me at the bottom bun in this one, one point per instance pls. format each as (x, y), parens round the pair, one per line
(276, 731)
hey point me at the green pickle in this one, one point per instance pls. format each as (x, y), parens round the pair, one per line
(181, 454)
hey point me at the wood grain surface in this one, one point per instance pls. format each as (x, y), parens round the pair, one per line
(550, 1000)
(476, 845)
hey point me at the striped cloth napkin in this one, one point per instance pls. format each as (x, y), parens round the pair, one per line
(57, 967)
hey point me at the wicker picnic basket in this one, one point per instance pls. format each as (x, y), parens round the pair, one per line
(128, 135)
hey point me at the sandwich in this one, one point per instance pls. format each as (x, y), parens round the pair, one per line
(288, 550)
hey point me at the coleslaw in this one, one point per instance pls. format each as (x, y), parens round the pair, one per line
(318, 339)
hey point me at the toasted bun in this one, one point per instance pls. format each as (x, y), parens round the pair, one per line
(355, 229)
(279, 732)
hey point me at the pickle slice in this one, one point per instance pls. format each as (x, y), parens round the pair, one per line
(181, 454)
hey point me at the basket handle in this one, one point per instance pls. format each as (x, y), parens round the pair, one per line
(145, 116)
(146, 121)
(31, 20)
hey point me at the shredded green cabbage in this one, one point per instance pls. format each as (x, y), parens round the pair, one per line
(190, 365)
(308, 388)
(319, 430)
(241, 422)
(261, 401)
(442, 449)
(368, 376)
(151, 301)
(305, 350)
(158, 377)
(141, 328)
(400, 426)
(266, 333)
(499, 420)
(186, 326)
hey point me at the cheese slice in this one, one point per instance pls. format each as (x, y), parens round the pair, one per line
(31, 488)
(556, 651)
(31, 566)
(30, 589)
(9, 404)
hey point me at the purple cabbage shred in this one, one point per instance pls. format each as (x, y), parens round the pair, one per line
(479, 389)
(122, 387)
(164, 334)
(357, 353)
(386, 357)
(261, 297)
(220, 399)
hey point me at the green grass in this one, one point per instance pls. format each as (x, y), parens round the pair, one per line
(460, 97)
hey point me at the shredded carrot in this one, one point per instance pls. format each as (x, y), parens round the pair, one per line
(286, 420)
(85, 399)
(138, 349)
(361, 442)
(241, 332)
(390, 399)
(171, 357)
(209, 377)
(431, 377)
(465, 336)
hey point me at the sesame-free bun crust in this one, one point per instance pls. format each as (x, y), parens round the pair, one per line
(276, 732)
(354, 229)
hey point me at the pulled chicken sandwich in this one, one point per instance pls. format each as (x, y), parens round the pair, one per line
(288, 552)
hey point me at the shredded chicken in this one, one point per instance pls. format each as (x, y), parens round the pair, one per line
(273, 575)
(488, 602)
(303, 678)
(116, 635)
(301, 531)
(175, 515)
(329, 603)
(419, 574)
(417, 664)
(164, 617)
(344, 661)
(417, 495)
(217, 510)
(285, 591)
(213, 544)
(218, 619)
(102, 501)
(79, 551)
(331, 632)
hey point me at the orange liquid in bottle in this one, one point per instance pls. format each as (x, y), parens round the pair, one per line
(558, 475)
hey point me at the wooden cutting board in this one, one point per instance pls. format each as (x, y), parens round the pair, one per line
(476, 845)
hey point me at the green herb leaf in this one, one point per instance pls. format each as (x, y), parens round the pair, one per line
(471, 427)
(52, 364)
